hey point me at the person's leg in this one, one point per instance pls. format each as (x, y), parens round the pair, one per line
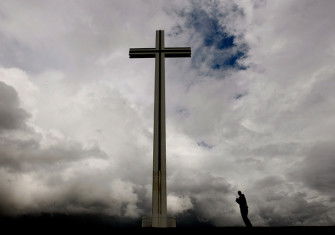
(247, 222)
(245, 218)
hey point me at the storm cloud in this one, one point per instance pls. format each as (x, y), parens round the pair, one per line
(11, 115)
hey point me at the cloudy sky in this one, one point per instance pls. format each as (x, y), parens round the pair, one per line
(252, 110)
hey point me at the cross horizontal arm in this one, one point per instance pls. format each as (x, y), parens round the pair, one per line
(142, 52)
(177, 51)
(168, 52)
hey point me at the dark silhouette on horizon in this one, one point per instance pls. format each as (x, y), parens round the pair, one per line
(243, 208)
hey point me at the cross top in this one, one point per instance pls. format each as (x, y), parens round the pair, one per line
(160, 49)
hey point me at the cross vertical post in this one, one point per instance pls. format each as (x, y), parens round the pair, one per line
(159, 198)
(159, 204)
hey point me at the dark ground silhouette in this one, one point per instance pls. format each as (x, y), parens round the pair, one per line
(99, 224)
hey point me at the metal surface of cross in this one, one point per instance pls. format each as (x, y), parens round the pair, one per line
(160, 52)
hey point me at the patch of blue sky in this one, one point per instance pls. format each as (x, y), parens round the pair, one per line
(218, 45)
(204, 144)
(230, 61)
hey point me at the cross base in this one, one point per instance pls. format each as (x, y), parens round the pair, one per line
(158, 222)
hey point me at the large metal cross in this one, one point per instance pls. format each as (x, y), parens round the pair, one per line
(160, 52)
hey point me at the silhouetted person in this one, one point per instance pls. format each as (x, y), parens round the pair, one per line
(244, 208)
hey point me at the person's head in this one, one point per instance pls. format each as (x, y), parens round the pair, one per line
(239, 193)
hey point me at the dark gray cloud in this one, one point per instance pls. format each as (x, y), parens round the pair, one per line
(24, 157)
(317, 168)
(275, 202)
(293, 210)
(12, 116)
(212, 198)
(28, 155)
